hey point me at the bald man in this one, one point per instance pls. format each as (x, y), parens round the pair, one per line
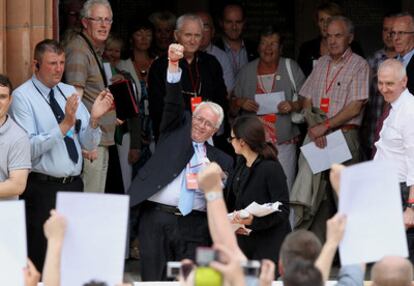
(392, 270)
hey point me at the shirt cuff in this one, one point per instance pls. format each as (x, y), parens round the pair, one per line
(174, 77)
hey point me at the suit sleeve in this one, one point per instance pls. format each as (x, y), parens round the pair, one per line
(156, 92)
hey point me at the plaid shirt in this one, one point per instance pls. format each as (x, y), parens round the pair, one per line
(348, 80)
(82, 70)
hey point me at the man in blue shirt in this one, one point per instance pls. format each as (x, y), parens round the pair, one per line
(59, 127)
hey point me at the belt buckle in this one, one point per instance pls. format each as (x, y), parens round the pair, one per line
(66, 180)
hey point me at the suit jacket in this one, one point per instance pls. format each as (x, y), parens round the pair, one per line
(410, 75)
(174, 150)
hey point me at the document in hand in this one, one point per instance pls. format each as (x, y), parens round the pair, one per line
(125, 104)
(336, 151)
(13, 250)
(268, 102)
(370, 198)
(94, 245)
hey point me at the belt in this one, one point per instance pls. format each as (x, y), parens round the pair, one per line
(347, 127)
(46, 178)
(169, 209)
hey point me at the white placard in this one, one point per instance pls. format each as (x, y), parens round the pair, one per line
(94, 245)
(336, 151)
(13, 248)
(370, 198)
(268, 102)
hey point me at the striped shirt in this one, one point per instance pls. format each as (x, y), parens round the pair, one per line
(83, 70)
(342, 82)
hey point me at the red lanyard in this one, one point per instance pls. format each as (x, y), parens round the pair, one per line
(261, 86)
(195, 83)
(329, 86)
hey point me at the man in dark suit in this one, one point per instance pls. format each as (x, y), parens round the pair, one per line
(170, 228)
(403, 38)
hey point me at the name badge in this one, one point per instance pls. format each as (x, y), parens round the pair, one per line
(269, 118)
(324, 106)
(192, 181)
(195, 101)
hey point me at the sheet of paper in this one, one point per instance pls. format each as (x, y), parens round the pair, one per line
(336, 151)
(268, 102)
(108, 71)
(94, 245)
(264, 209)
(370, 198)
(13, 249)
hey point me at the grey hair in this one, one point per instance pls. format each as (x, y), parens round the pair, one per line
(188, 17)
(405, 14)
(396, 65)
(217, 109)
(86, 9)
(348, 23)
(163, 16)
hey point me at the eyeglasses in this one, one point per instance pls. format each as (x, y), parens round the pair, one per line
(100, 20)
(202, 121)
(400, 33)
(230, 139)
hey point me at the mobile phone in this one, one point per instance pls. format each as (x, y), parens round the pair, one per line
(173, 269)
(205, 255)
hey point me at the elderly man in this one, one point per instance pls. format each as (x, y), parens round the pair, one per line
(202, 77)
(173, 221)
(239, 51)
(15, 148)
(335, 93)
(403, 38)
(59, 126)
(84, 70)
(392, 270)
(207, 46)
(396, 142)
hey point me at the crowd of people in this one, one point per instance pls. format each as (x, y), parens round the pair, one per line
(199, 147)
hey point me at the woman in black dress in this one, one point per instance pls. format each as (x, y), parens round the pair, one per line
(258, 177)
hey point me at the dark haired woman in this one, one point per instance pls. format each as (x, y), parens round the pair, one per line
(258, 177)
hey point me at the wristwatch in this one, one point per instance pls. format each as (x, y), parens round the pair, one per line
(212, 196)
(410, 205)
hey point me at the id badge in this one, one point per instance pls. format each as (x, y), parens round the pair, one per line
(269, 118)
(324, 106)
(195, 101)
(191, 181)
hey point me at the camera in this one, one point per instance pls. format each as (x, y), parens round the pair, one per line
(251, 270)
(173, 269)
(205, 275)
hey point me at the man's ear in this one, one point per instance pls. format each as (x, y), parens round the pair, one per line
(84, 22)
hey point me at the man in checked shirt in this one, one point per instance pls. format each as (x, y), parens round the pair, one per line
(337, 89)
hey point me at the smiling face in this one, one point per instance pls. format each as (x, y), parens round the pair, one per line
(269, 48)
(113, 52)
(203, 124)
(190, 36)
(97, 25)
(390, 82)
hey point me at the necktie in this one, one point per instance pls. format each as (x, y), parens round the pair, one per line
(380, 122)
(69, 142)
(185, 203)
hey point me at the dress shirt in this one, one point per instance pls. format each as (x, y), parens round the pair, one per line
(349, 80)
(407, 58)
(396, 141)
(31, 110)
(228, 73)
(237, 59)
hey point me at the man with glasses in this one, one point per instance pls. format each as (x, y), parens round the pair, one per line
(172, 220)
(84, 70)
(403, 38)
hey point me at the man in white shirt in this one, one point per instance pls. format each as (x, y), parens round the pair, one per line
(396, 142)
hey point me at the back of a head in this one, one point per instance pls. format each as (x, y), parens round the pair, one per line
(300, 244)
(302, 273)
(392, 271)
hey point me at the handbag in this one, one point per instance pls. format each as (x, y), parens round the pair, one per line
(295, 117)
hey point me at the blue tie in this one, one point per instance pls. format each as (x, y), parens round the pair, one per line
(185, 203)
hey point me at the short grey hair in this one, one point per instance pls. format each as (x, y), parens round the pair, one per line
(188, 17)
(396, 65)
(405, 14)
(86, 9)
(217, 109)
(348, 23)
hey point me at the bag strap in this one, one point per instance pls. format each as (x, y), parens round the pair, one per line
(289, 70)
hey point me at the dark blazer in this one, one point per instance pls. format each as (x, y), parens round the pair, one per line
(263, 182)
(310, 51)
(251, 48)
(210, 76)
(410, 75)
(174, 150)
